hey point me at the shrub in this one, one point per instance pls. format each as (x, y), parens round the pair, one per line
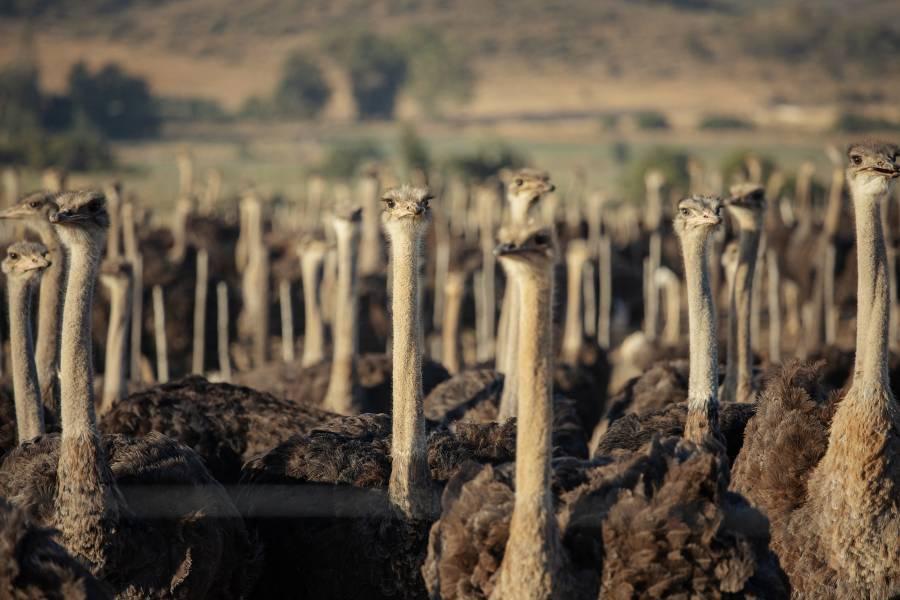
(724, 122)
(486, 161)
(377, 69)
(438, 73)
(856, 123)
(303, 90)
(651, 120)
(190, 109)
(734, 165)
(344, 159)
(116, 103)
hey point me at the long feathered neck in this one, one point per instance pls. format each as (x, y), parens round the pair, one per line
(873, 310)
(572, 330)
(114, 388)
(87, 506)
(29, 414)
(50, 305)
(314, 334)
(410, 485)
(703, 402)
(343, 393)
(532, 557)
(738, 385)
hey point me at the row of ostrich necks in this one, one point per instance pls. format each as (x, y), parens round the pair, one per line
(796, 319)
(349, 242)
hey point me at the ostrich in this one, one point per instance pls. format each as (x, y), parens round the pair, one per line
(104, 495)
(116, 277)
(377, 470)
(23, 265)
(525, 189)
(693, 535)
(747, 207)
(34, 565)
(312, 255)
(34, 209)
(827, 476)
(700, 417)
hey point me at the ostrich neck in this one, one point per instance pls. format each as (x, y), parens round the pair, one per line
(872, 294)
(572, 333)
(509, 397)
(518, 209)
(29, 413)
(410, 479)
(119, 318)
(86, 497)
(450, 327)
(340, 396)
(532, 550)
(314, 334)
(738, 384)
(702, 382)
(49, 316)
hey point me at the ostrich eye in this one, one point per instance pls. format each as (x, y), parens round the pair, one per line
(14, 256)
(685, 212)
(34, 204)
(519, 182)
(856, 159)
(389, 202)
(541, 239)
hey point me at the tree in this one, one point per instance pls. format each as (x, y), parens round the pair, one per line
(438, 72)
(303, 90)
(20, 98)
(116, 103)
(377, 69)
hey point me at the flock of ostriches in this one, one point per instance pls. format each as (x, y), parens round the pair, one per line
(494, 468)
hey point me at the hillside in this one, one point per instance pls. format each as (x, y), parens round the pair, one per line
(532, 57)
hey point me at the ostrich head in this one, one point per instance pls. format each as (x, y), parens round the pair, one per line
(25, 260)
(35, 206)
(698, 215)
(526, 186)
(871, 168)
(747, 204)
(406, 209)
(530, 248)
(80, 216)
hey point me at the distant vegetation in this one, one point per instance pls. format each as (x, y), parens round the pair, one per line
(345, 159)
(651, 120)
(724, 122)
(413, 150)
(486, 161)
(672, 162)
(856, 123)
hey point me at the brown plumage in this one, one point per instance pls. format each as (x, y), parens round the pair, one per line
(225, 424)
(653, 523)
(347, 465)
(33, 566)
(307, 387)
(181, 535)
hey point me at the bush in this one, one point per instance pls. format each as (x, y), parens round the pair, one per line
(303, 90)
(77, 150)
(438, 73)
(413, 151)
(856, 123)
(487, 161)
(117, 104)
(724, 122)
(377, 69)
(344, 159)
(20, 98)
(651, 120)
(190, 109)
(671, 162)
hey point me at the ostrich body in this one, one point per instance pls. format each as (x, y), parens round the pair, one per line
(23, 266)
(34, 210)
(186, 554)
(835, 500)
(34, 566)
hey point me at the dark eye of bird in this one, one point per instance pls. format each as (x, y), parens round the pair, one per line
(856, 160)
(519, 182)
(34, 204)
(14, 256)
(684, 212)
(541, 238)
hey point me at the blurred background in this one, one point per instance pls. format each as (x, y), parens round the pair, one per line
(270, 91)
